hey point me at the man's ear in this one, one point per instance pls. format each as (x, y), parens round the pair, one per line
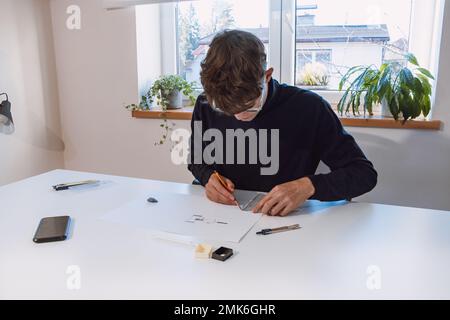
(269, 73)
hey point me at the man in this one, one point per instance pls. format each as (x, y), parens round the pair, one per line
(240, 94)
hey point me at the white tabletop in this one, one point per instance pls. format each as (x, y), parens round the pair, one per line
(344, 250)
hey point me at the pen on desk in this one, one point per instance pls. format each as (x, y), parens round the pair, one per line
(280, 229)
(224, 184)
(65, 186)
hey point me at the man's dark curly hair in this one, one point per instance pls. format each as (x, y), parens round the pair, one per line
(233, 71)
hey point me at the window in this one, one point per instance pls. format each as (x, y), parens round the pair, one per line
(335, 38)
(311, 67)
(357, 32)
(197, 22)
(310, 43)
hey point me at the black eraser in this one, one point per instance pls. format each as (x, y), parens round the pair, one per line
(222, 254)
(152, 200)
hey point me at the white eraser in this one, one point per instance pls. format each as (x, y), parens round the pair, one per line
(203, 251)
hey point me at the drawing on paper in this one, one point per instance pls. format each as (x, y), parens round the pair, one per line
(198, 218)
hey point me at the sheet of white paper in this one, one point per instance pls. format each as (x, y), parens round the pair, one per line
(186, 215)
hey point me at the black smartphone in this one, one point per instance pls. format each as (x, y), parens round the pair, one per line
(52, 229)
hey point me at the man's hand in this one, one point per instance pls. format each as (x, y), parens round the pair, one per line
(286, 197)
(216, 192)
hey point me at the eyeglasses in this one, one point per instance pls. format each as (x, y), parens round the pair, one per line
(251, 110)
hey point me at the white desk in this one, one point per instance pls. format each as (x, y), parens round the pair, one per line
(327, 258)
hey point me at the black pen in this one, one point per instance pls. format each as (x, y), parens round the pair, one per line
(65, 186)
(280, 229)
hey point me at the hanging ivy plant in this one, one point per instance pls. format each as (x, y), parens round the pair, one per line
(160, 91)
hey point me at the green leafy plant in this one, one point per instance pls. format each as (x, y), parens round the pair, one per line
(405, 91)
(161, 91)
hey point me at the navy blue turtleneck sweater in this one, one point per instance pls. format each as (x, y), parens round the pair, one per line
(309, 132)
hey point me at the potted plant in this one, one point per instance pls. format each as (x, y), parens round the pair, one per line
(399, 89)
(168, 92)
(314, 76)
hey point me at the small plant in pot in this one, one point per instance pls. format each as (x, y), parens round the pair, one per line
(400, 90)
(314, 76)
(168, 92)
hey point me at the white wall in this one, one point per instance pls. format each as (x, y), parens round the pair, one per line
(28, 75)
(353, 54)
(97, 74)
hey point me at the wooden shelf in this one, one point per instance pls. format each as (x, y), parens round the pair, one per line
(176, 114)
(374, 121)
(382, 122)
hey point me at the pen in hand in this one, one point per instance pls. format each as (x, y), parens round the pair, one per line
(224, 184)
